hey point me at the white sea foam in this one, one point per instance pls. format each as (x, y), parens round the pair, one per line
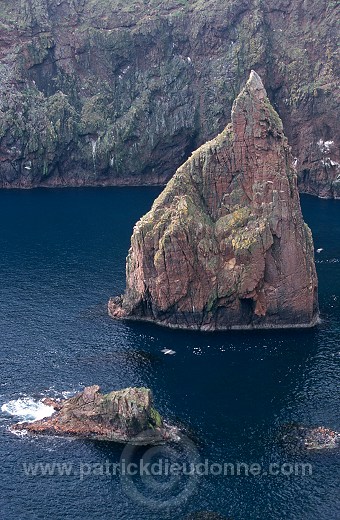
(69, 393)
(27, 409)
(168, 351)
(330, 261)
(19, 433)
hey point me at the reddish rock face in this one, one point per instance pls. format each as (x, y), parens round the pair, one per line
(225, 245)
(320, 169)
(118, 416)
(105, 92)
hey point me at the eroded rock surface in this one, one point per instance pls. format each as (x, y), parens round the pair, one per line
(118, 416)
(108, 92)
(225, 245)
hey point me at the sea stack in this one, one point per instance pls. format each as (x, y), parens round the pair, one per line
(225, 245)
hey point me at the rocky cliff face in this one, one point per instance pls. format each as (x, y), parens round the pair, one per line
(225, 245)
(118, 416)
(98, 92)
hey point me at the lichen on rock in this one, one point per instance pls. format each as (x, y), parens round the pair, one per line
(120, 416)
(225, 245)
(154, 80)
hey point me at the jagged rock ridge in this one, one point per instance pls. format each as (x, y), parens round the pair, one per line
(225, 245)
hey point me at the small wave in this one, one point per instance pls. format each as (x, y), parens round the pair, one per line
(19, 433)
(27, 409)
(69, 393)
(329, 261)
(51, 392)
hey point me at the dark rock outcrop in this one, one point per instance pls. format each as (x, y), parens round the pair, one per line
(205, 515)
(299, 438)
(107, 92)
(225, 245)
(119, 416)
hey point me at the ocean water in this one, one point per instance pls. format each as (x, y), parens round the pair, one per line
(62, 256)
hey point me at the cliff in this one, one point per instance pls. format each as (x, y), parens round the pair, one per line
(119, 416)
(108, 92)
(225, 245)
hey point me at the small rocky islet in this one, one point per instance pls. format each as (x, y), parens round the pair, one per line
(300, 438)
(121, 416)
(225, 245)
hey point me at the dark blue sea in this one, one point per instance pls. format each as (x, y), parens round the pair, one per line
(62, 255)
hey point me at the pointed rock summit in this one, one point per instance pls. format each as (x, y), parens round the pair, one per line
(225, 245)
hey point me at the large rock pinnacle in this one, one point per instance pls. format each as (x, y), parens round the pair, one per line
(225, 245)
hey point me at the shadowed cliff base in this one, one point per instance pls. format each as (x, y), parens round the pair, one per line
(225, 245)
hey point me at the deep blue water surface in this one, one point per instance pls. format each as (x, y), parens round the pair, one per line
(62, 255)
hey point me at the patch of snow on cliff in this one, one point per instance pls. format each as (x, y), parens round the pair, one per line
(94, 144)
(327, 161)
(325, 146)
(333, 163)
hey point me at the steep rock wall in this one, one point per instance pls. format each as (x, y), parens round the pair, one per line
(98, 92)
(225, 245)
